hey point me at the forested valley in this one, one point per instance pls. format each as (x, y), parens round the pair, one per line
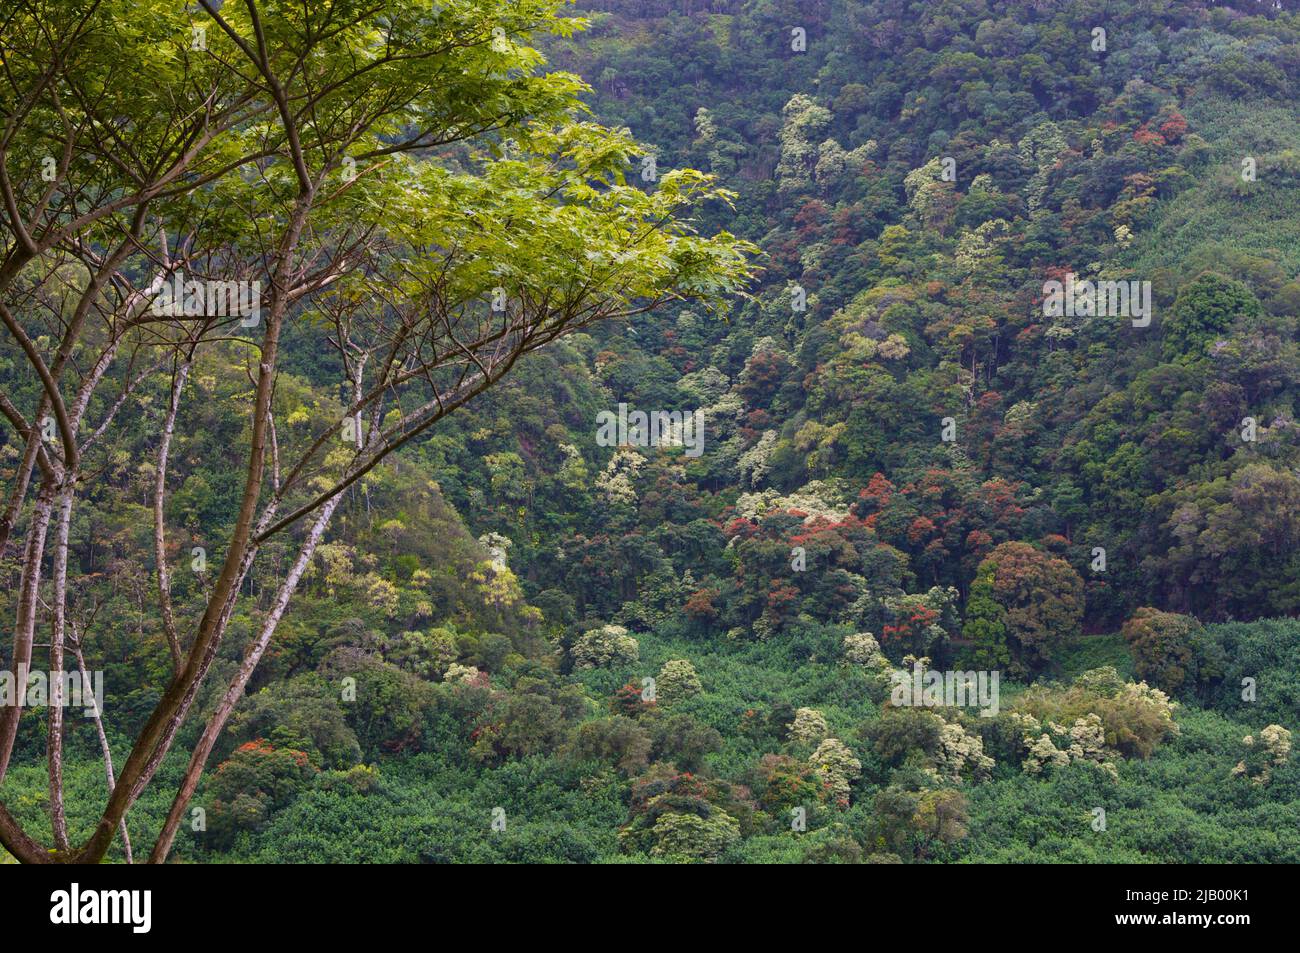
(650, 403)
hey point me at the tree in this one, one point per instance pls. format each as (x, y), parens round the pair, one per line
(1204, 310)
(694, 838)
(986, 626)
(1134, 718)
(1161, 643)
(677, 680)
(338, 163)
(1271, 750)
(257, 779)
(683, 741)
(618, 739)
(913, 824)
(835, 767)
(604, 647)
(809, 727)
(1041, 601)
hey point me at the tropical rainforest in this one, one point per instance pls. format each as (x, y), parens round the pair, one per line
(422, 560)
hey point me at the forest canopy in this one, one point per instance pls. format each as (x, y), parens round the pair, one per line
(494, 431)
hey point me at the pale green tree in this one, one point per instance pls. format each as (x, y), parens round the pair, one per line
(399, 183)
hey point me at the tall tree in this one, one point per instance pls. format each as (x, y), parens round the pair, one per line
(400, 186)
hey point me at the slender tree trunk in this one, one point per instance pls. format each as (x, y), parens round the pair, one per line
(159, 525)
(25, 624)
(10, 517)
(235, 690)
(103, 745)
(54, 742)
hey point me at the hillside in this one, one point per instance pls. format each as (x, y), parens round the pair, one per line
(520, 641)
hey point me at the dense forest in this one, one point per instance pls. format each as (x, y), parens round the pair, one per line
(960, 337)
